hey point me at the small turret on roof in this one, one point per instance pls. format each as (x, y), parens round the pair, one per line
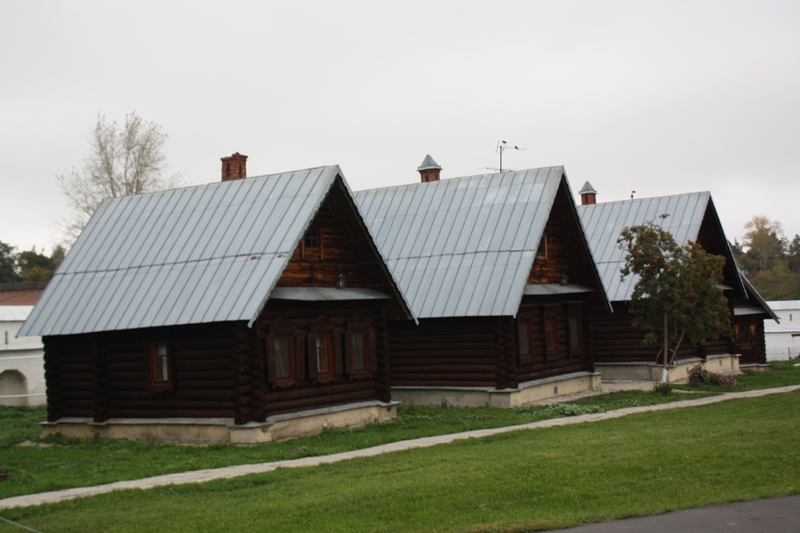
(429, 170)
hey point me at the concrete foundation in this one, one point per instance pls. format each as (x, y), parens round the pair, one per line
(527, 392)
(641, 371)
(217, 430)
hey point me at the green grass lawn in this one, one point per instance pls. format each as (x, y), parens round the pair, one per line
(69, 463)
(527, 480)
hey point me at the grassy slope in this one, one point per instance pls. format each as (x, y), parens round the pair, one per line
(521, 481)
(75, 463)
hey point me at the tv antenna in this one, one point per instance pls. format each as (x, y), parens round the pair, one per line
(502, 146)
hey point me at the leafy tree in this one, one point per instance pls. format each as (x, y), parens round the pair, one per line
(8, 264)
(123, 160)
(676, 295)
(34, 266)
(765, 242)
(793, 254)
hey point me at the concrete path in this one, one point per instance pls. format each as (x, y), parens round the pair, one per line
(778, 515)
(199, 476)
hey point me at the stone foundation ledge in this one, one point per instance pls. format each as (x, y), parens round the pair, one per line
(650, 371)
(221, 430)
(527, 392)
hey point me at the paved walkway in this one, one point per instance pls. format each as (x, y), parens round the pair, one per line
(199, 476)
(778, 515)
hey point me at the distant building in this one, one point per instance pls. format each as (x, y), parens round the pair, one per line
(783, 339)
(21, 359)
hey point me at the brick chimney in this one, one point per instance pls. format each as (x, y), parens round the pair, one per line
(588, 194)
(429, 170)
(234, 167)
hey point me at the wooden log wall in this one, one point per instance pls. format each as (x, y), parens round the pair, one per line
(617, 340)
(345, 247)
(545, 364)
(69, 374)
(306, 393)
(756, 352)
(104, 375)
(444, 352)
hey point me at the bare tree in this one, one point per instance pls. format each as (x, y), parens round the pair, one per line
(123, 160)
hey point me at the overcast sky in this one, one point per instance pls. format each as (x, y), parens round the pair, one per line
(658, 97)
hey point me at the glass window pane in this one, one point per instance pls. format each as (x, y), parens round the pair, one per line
(282, 357)
(522, 333)
(322, 353)
(357, 357)
(574, 338)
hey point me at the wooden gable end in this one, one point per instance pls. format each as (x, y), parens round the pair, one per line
(563, 250)
(338, 243)
(712, 239)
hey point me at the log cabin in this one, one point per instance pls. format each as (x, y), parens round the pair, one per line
(243, 311)
(618, 350)
(498, 274)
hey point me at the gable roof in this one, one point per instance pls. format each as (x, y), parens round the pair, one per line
(604, 222)
(202, 254)
(463, 246)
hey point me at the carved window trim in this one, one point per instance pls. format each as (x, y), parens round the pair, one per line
(283, 328)
(324, 345)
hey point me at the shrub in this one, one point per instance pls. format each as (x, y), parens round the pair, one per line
(700, 377)
(662, 388)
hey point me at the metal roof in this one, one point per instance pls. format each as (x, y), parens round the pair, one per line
(604, 222)
(550, 289)
(14, 313)
(752, 292)
(462, 246)
(322, 294)
(784, 305)
(428, 163)
(587, 189)
(201, 254)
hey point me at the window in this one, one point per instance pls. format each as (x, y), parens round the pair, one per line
(575, 331)
(282, 347)
(323, 353)
(159, 366)
(312, 244)
(745, 335)
(541, 251)
(358, 351)
(550, 334)
(524, 340)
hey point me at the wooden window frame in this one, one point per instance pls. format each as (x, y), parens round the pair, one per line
(524, 331)
(324, 327)
(574, 315)
(154, 384)
(541, 250)
(283, 327)
(749, 340)
(550, 318)
(308, 251)
(355, 325)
